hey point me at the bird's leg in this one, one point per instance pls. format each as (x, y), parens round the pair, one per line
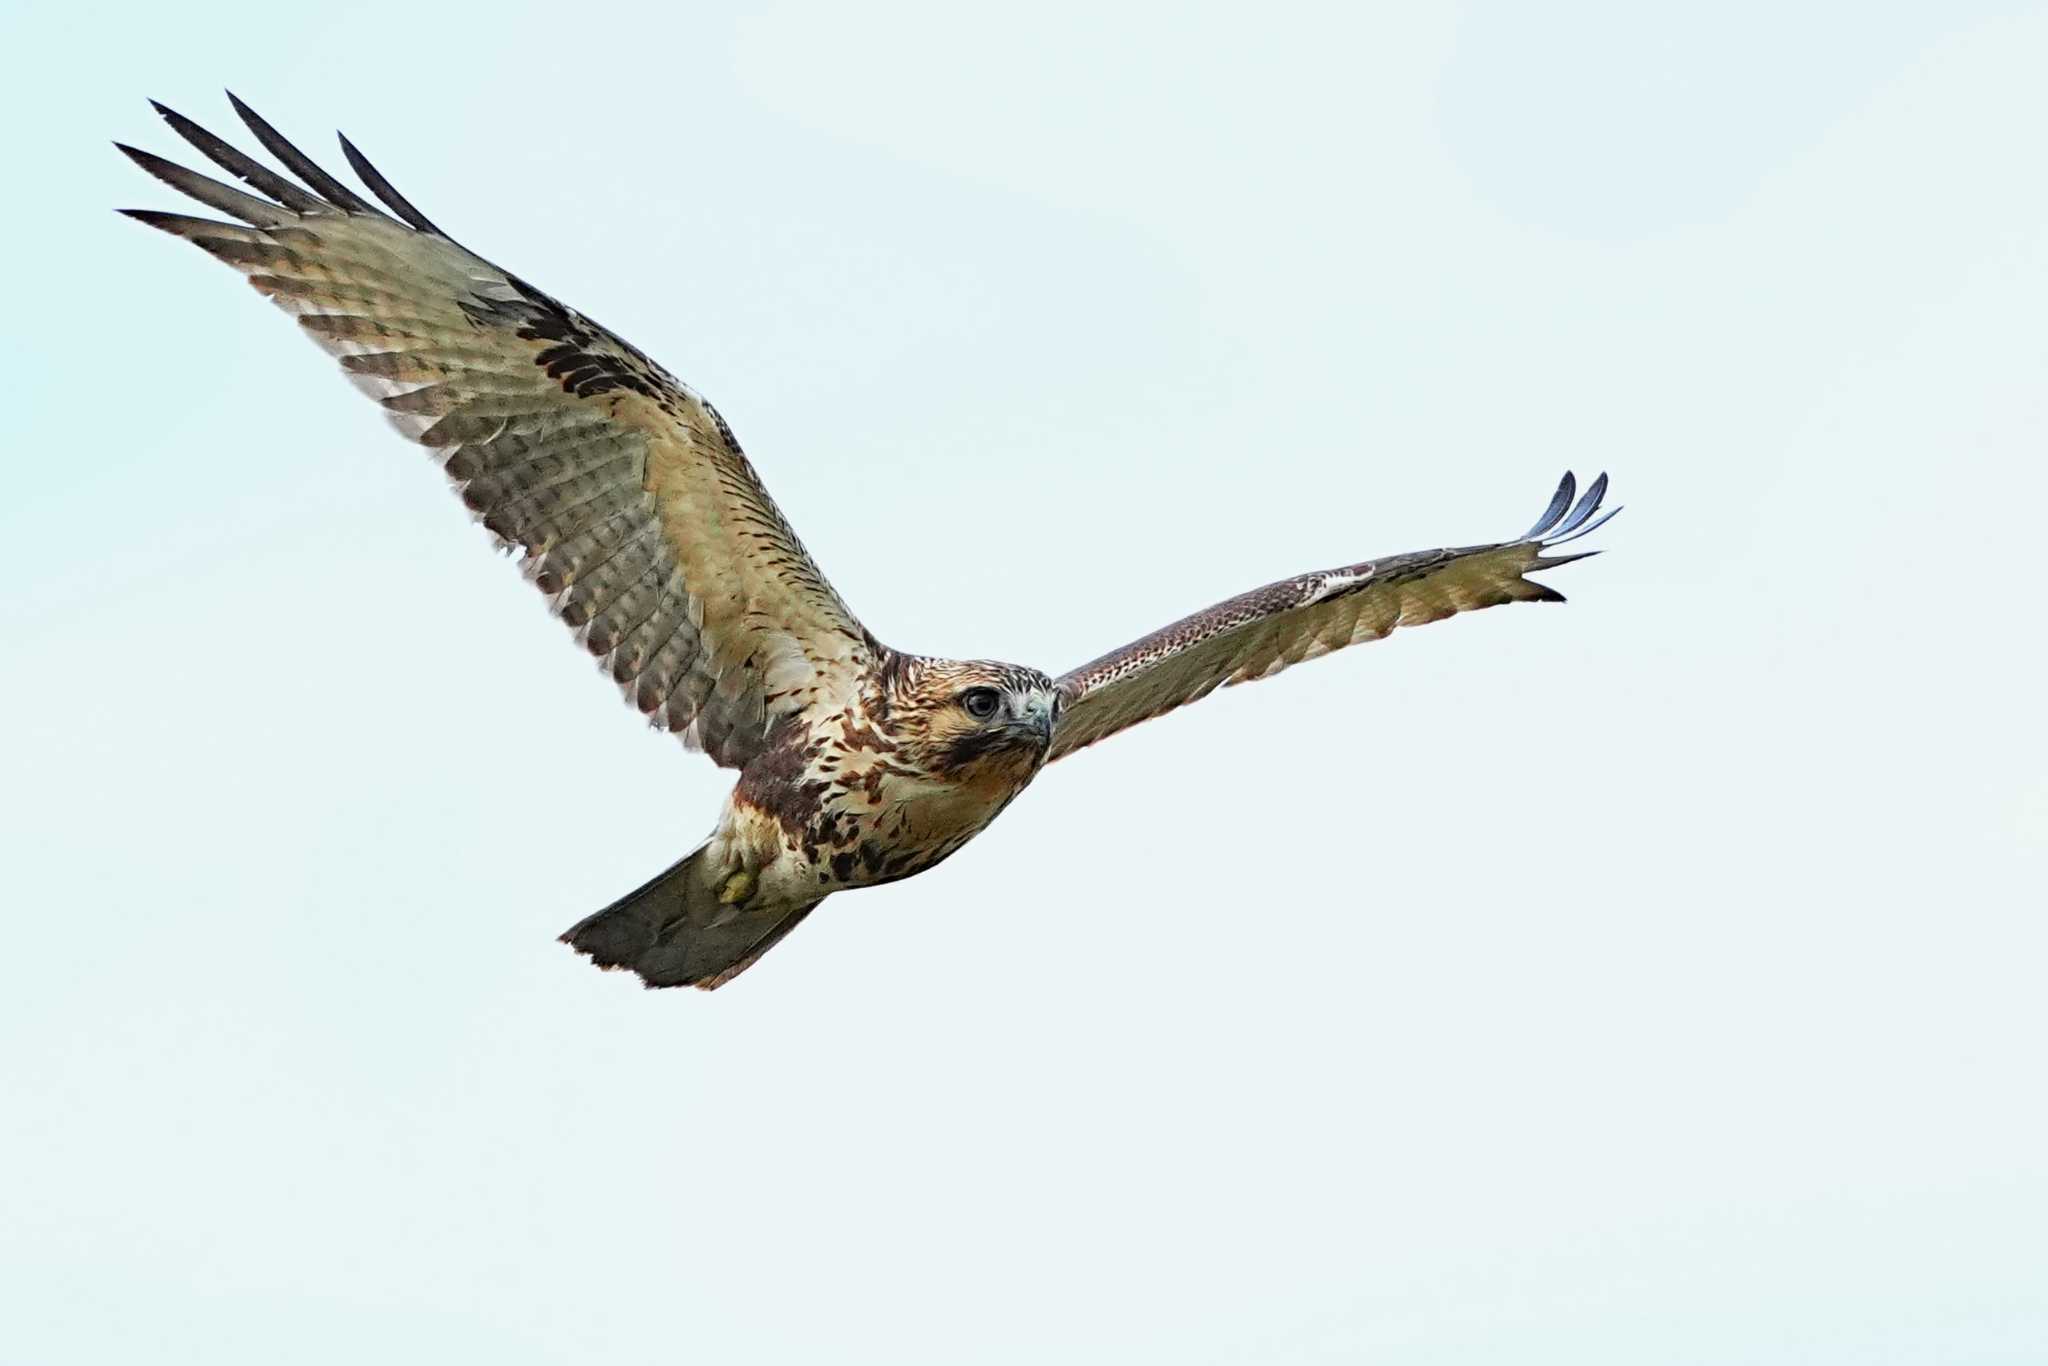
(748, 840)
(733, 895)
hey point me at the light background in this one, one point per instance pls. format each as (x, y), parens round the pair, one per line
(1653, 979)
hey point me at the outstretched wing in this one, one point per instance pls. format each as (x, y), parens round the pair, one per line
(625, 494)
(1257, 634)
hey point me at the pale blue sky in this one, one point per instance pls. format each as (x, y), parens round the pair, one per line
(1652, 979)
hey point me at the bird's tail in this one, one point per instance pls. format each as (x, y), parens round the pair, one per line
(674, 931)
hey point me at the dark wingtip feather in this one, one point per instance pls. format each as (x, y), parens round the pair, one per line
(1559, 501)
(383, 189)
(176, 224)
(1585, 508)
(1588, 529)
(238, 163)
(215, 238)
(157, 166)
(299, 164)
(225, 199)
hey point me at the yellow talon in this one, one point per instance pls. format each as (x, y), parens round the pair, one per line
(737, 888)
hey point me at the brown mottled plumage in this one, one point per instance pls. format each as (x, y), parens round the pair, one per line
(634, 510)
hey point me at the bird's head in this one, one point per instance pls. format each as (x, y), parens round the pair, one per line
(965, 717)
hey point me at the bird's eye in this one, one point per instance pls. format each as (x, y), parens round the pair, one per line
(980, 703)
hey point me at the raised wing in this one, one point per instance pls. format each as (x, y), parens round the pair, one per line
(1257, 634)
(625, 494)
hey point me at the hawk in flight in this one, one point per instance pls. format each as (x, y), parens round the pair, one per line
(632, 508)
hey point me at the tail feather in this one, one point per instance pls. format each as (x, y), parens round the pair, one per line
(673, 932)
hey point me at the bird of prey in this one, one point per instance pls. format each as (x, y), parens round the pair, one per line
(631, 507)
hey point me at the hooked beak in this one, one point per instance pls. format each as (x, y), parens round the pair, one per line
(1030, 716)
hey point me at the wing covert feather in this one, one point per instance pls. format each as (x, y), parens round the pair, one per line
(1257, 634)
(623, 492)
